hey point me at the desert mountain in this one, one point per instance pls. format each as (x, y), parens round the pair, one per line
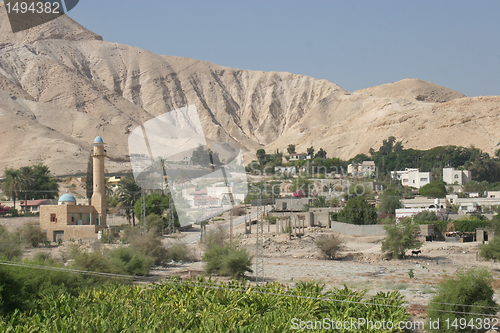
(61, 86)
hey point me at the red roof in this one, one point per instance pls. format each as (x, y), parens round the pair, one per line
(35, 202)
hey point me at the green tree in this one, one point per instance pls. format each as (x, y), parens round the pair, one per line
(358, 211)
(128, 193)
(26, 181)
(291, 149)
(310, 151)
(11, 184)
(401, 237)
(390, 201)
(467, 297)
(321, 153)
(302, 184)
(45, 186)
(261, 154)
(155, 204)
(89, 179)
(435, 189)
(205, 157)
(475, 186)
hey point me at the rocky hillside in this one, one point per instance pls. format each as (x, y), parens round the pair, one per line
(61, 86)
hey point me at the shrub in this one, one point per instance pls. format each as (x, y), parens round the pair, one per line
(32, 234)
(156, 223)
(239, 211)
(148, 243)
(126, 260)
(179, 252)
(401, 237)
(358, 211)
(227, 261)
(491, 250)
(215, 237)
(425, 216)
(468, 295)
(10, 244)
(329, 245)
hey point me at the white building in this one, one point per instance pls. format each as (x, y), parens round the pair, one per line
(452, 176)
(412, 177)
(365, 168)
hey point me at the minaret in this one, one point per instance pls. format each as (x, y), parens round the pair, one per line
(99, 196)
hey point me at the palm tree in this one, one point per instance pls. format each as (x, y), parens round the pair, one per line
(26, 182)
(10, 185)
(128, 193)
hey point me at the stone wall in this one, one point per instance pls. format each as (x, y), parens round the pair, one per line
(358, 230)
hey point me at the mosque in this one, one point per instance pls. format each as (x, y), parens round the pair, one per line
(67, 220)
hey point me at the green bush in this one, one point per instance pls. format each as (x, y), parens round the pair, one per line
(358, 211)
(401, 237)
(126, 260)
(491, 250)
(32, 234)
(329, 245)
(467, 296)
(148, 243)
(10, 244)
(227, 261)
(179, 252)
(426, 216)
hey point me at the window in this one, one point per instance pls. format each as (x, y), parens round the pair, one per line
(456, 176)
(53, 218)
(423, 179)
(72, 217)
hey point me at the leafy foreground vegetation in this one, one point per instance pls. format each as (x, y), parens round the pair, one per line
(462, 303)
(204, 307)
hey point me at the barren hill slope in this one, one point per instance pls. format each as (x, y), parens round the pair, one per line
(60, 86)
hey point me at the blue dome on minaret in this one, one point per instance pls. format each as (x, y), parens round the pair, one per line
(98, 140)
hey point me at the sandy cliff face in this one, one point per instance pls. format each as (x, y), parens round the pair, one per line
(61, 86)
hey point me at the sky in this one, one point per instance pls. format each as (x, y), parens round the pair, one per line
(355, 44)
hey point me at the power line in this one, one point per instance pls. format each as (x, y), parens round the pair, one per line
(250, 289)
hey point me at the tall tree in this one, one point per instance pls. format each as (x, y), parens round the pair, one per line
(321, 153)
(310, 151)
(128, 193)
(26, 181)
(11, 184)
(291, 149)
(261, 154)
(89, 182)
(45, 186)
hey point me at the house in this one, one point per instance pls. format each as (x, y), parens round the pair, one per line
(67, 219)
(365, 168)
(452, 176)
(33, 206)
(296, 157)
(412, 177)
(114, 182)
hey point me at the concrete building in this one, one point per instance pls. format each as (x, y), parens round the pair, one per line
(412, 177)
(365, 168)
(68, 219)
(452, 176)
(296, 157)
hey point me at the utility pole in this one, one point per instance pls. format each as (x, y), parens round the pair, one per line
(259, 257)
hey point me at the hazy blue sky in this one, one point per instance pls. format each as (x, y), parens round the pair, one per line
(356, 44)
